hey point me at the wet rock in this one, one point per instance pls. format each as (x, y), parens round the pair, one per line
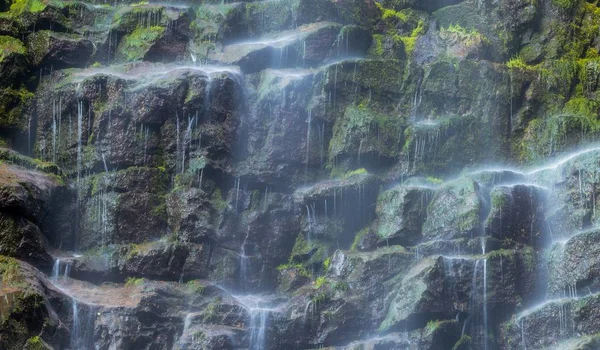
(573, 265)
(364, 133)
(401, 212)
(13, 62)
(59, 50)
(517, 213)
(161, 260)
(191, 215)
(310, 44)
(455, 211)
(115, 200)
(552, 322)
(28, 203)
(26, 316)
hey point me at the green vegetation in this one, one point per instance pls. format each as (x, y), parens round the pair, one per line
(341, 286)
(362, 129)
(434, 180)
(35, 343)
(433, 325)
(10, 272)
(357, 172)
(565, 4)
(320, 282)
(195, 286)
(517, 62)
(299, 268)
(358, 238)
(137, 44)
(326, 264)
(131, 282)
(20, 6)
(211, 310)
(469, 36)
(12, 104)
(10, 45)
(463, 343)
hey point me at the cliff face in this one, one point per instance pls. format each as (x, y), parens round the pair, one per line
(298, 174)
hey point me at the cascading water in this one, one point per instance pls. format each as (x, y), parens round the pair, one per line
(79, 135)
(257, 328)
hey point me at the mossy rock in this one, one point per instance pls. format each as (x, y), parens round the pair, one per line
(454, 211)
(137, 44)
(364, 132)
(13, 60)
(13, 103)
(60, 50)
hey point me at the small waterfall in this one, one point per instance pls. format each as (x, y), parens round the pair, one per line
(186, 140)
(485, 311)
(54, 135)
(177, 138)
(237, 193)
(257, 328)
(56, 270)
(75, 329)
(67, 270)
(79, 135)
(82, 330)
(244, 261)
(187, 322)
(308, 140)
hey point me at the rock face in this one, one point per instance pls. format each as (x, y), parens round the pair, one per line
(299, 174)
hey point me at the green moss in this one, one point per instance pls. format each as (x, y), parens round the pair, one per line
(135, 45)
(20, 6)
(12, 106)
(299, 268)
(362, 130)
(357, 172)
(10, 45)
(10, 271)
(463, 343)
(517, 62)
(469, 36)
(326, 264)
(565, 4)
(358, 238)
(434, 180)
(341, 286)
(321, 282)
(134, 282)
(300, 247)
(432, 326)
(195, 286)
(35, 343)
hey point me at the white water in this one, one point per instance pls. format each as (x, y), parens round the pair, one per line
(79, 133)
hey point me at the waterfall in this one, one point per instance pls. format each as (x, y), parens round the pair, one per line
(56, 270)
(308, 140)
(186, 140)
(82, 329)
(177, 150)
(54, 133)
(244, 261)
(257, 328)
(75, 329)
(79, 133)
(237, 193)
(485, 311)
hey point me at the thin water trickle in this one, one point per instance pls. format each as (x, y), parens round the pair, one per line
(309, 121)
(56, 270)
(79, 135)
